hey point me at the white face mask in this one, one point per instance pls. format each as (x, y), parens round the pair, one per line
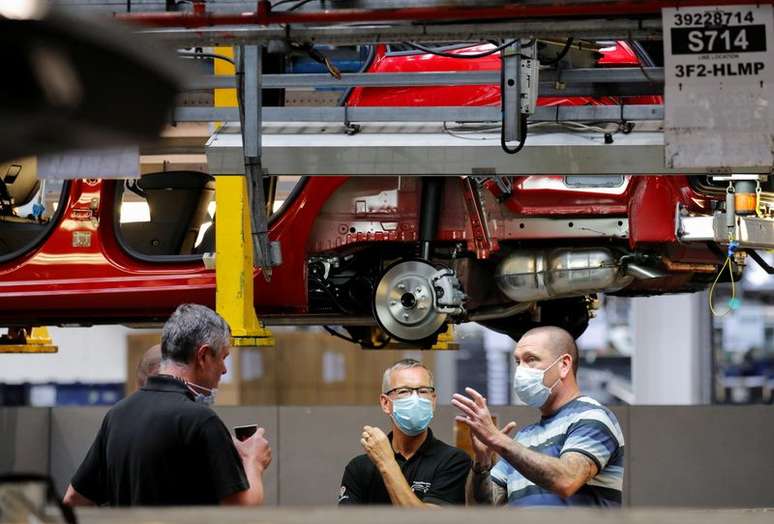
(528, 384)
(207, 398)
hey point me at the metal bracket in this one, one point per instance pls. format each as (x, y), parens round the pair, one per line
(250, 105)
(482, 240)
(504, 183)
(510, 88)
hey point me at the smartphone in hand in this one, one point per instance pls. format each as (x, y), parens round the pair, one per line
(245, 432)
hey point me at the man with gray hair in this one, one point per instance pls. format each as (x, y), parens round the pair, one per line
(409, 467)
(163, 445)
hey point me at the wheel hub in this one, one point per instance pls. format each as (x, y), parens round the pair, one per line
(404, 301)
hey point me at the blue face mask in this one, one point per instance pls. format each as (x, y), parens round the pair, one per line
(528, 384)
(412, 415)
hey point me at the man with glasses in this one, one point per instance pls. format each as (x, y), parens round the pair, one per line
(409, 467)
(573, 457)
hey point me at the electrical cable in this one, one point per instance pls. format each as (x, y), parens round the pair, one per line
(363, 68)
(424, 49)
(298, 4)
(760, 261)
(196, 55)
(640, 59)
(355, 341)
(333, 297)
(732, 302)
(522, 141)
(456, 135)
(337, 334)
(562, 53)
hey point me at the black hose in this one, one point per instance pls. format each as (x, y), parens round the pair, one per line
(499, 48)
(561, 54)
(432, 196)
(363, 68)
(197, 55)
(759, 259)
(333, 297)
(337, 334)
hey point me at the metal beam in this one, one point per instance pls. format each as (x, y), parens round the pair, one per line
(434, 12)
(424, 114)
(750, 232)
(422, 151)
(567, 76)
(588, 29)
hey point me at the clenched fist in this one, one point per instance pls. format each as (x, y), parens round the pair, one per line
(377, 446)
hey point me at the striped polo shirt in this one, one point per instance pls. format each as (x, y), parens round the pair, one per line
(583, 426)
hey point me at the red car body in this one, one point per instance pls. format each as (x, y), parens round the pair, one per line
(96, 280)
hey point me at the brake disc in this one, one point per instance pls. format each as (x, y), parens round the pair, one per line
(405, 301)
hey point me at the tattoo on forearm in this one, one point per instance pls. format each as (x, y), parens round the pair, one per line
(483, 490)
(549, 472)
(537, 467)
(580, 465)
(482, 487)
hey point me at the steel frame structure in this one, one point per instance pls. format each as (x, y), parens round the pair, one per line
(420, 153)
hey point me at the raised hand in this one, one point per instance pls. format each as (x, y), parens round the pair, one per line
(475, 414)
(484, 455)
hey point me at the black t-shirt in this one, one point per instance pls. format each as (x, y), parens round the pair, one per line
(160, 448)
(436, 474)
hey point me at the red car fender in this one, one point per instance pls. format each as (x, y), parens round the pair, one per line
(620, 55)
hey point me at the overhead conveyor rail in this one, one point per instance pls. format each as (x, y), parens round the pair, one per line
(344, 115)
(416, 150)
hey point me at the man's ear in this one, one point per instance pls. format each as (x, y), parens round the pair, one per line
(567, 361)
(386, 404)
(201, 354)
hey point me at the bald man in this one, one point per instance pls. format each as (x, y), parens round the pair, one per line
(149, 365)
(573, 457)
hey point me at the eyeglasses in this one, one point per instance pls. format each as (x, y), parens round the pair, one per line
(405, 392)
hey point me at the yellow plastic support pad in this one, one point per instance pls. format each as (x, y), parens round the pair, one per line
(38, 341)
(446, 340)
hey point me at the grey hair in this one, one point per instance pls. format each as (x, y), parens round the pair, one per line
(406, 363)
(190, 327)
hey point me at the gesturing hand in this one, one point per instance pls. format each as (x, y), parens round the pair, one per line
(377, 446)
(476, 415)
(484, 455)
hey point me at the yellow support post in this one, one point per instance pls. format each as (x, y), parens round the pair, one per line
(225, 97)
(38, 341)
(234, 263)
(234, 243)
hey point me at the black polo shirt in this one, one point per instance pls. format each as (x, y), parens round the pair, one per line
(158, 447)
(436, 473)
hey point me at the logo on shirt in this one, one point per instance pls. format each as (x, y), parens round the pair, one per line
(420, 487)
(342, 494)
